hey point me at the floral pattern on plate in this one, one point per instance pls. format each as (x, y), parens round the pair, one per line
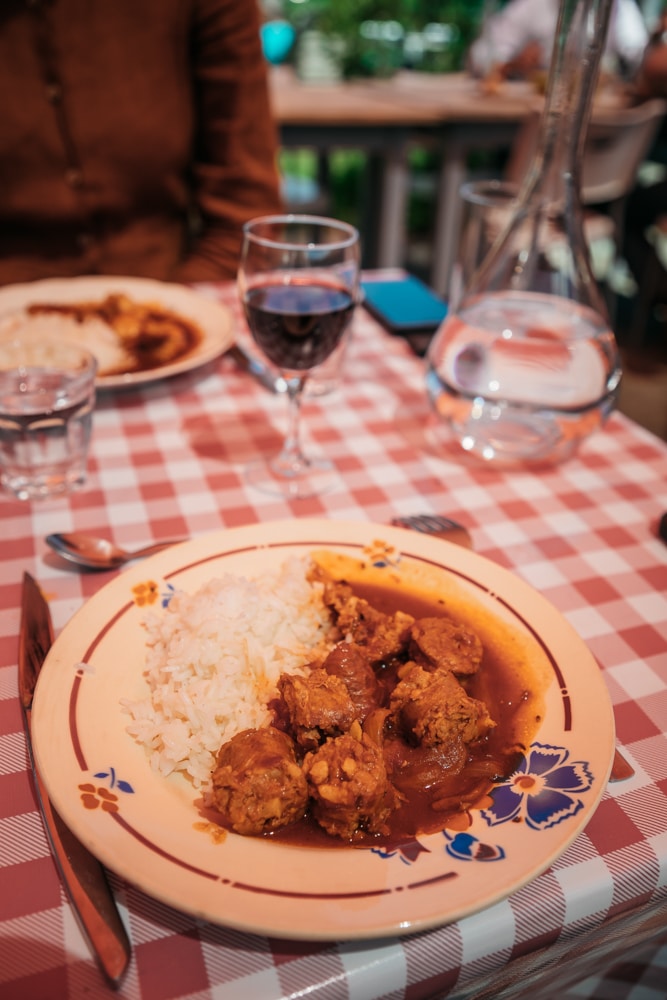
(543, 791)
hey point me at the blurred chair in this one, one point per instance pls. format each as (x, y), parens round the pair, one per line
(617, 143)
(653, 286)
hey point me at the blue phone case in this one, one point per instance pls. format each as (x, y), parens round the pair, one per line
(404, 305)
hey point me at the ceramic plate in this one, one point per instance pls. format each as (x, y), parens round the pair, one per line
(213, 321)
(148, 829)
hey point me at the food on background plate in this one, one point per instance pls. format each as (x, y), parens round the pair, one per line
(319, 711)
(125, 335)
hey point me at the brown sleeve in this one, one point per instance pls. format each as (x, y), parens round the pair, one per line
(235, 172)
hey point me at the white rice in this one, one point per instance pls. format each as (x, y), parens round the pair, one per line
(214, 658)
(92, 333)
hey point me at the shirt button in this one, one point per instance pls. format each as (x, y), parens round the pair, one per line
(74, 177)
(53, 92)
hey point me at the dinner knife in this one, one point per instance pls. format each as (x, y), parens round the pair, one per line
(270, 381)
(82, 874)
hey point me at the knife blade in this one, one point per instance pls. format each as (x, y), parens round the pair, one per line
(82, 874)
(266, 378)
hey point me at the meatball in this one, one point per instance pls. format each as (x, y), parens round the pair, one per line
(257, 784)
(348, 662)
(388, 637)
(443, 644)
(432, 708)
(348, 785)
(318, 705)
(382, 636)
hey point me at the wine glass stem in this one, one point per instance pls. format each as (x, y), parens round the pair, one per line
(291, 459)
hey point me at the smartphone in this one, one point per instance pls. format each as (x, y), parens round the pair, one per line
(404, 305)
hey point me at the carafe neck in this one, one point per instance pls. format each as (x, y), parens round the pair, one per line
(578, 45)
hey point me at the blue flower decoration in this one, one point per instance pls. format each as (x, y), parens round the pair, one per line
(543, 791)
(465, 847)
(167, 594)
(114, 781)
(407, 852)
(382, 555)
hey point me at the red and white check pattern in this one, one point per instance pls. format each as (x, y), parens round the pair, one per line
(167, 461)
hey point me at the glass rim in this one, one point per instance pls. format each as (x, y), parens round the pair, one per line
(488, 191)
(19, 351)
(351, 233)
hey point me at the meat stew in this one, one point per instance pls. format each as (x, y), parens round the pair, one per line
(399, 731)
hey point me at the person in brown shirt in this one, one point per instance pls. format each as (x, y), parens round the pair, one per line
(135, 137)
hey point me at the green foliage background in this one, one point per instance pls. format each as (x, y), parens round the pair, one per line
(341, 19)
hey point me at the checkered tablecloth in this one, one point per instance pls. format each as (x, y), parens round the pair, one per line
(167, 461)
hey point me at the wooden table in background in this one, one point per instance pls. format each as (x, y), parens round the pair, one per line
(357, 115)
(450, 113)
(468, 120)
(385, 118)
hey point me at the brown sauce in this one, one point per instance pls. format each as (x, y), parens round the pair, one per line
(435, 796)
(151, 336)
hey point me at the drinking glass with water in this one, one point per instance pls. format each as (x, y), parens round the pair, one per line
(47, 397)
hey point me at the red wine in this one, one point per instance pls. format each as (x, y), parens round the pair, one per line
(298, 325)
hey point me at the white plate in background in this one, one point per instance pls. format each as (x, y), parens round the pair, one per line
(213, 320)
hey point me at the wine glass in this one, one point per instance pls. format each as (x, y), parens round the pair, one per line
(298, 281)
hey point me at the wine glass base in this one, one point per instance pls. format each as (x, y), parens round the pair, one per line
(308, 479)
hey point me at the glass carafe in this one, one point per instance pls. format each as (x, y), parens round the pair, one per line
(526, 365)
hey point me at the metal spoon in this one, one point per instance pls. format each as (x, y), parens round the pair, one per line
(98, 553)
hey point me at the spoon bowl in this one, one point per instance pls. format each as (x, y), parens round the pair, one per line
(98, 553)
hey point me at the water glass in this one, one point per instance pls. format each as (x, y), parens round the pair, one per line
(487, 207)
(47, 397)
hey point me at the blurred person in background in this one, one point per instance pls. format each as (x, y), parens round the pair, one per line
(135, 137)
(645, 232)
(516, 41)
(651, 78)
